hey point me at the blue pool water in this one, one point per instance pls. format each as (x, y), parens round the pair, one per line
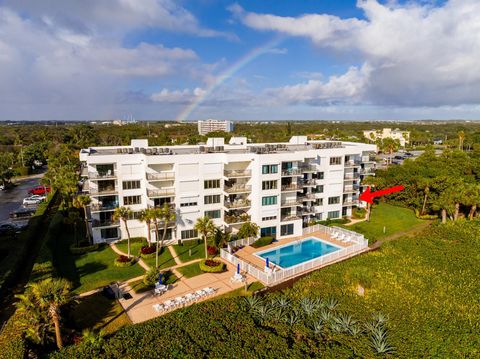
(298, 252)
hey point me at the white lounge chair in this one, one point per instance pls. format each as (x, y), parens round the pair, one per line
(158, 308)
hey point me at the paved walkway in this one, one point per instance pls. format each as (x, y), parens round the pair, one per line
(138, 259)
(174, 254)
(354, 220)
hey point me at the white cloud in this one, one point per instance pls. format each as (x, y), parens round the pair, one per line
(416, 54)
(180, 97)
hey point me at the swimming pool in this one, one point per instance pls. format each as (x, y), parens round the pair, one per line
(298, 252)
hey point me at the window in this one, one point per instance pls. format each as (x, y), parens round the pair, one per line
(268, 231)
(319, 202)
(211, 199)
(318, 189)
(335, 161)
(320, 175)
(286, 229)
(267, 169)
(189, 233)
(334, 214)
(207, 184)
(269, 200)
(129, 200)
(134, 215)
(269, 185)
(319, 216)
(213, 214)
(269, 218)
(188, 204)
(333, 200)
(131, 184)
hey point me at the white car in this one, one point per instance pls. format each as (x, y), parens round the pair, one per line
(35, 199)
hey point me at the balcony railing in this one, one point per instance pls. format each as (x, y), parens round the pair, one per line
(96, 175)
(290, 187)
(308, 168)
(238, 188)
(307, 197)
(350, 188)
(105, 223)
(160, 192)
(289, 217)
(291, 202)
(237, 173)
(161, 224)
(102, 191)
(238, 204)
(352, 163)
(353, 202)
(160, 176)
(308, 183)
(367, 171)
(236, 219)
(306, 210)
(291, 172)
(351, 176)
(97, 207)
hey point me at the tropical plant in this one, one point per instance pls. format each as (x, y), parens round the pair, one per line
(72, 219)
(252, 303)
(46, 296)
(147, 216)
(81, 202)
(248, 230)
(219, 238)
(123, 214)
(165, 214)
(206, 228)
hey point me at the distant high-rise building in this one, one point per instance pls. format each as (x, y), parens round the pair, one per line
(211, 125)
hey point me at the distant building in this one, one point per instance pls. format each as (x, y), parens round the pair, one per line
(402, 136)
(210, 125)
(437, 141)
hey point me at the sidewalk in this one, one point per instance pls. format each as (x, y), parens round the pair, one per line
(138, 259)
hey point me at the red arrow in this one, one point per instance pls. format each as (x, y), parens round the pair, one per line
(368, 196)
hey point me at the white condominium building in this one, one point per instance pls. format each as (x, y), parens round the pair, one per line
(279, 186)
(207, 126)
(402, 136)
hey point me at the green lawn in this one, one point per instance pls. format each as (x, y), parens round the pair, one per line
(394, 219)
(135, 245)
(190, 270)
(165, 259)
(190, 250)
(97, 313)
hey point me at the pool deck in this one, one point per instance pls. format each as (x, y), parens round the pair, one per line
(248, 253)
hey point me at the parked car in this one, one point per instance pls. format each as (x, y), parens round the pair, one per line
(39, 190)
(35, 199)
(399, 157)
(408, 154)
(396, 162)
(22, 213)
(9, 228)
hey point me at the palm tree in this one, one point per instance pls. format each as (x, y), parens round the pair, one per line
(81, 202)
(205, 227)
(425, 183)
(461, 138)
(147, 216)
(219, 238)
(389, 146)
(167, 215)
(247, 230)
(47, 296)
(72, 219)
(123, 213)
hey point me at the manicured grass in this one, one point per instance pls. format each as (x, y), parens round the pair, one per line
(165, 259)
(197, 250)
(190, 270)
(98, 313)
(135, 245)
(394, 219)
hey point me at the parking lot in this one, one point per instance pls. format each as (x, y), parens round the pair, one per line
(12, 199)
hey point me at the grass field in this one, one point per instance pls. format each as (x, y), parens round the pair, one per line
(393, 219)
(165, 259)
(197, 250)
(190, 270)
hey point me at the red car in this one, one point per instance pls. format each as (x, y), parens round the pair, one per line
(40, 190)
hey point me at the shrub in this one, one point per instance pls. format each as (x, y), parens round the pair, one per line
(262, 241)
(123, 261)
(425, 216)
(83, 249)
(212, 250)
(147, 251)
(359, 213)
(329, 221)
(211, 266)
(151, 277)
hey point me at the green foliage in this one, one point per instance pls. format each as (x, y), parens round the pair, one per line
(123, 262)
(206, 265)
(359, 213)
(331, 222)
(262, 241)
(83, 249)
(247, 230)
(189, 250)
(190, 270)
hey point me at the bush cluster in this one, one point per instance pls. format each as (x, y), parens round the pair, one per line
(212, 250)
(123, 261)
(262, 241)
(211, 266)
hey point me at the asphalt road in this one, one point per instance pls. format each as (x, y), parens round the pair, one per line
(12, 198)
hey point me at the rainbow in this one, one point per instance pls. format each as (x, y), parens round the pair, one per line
(225, 75)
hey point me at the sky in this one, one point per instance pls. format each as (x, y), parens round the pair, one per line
(187, 60)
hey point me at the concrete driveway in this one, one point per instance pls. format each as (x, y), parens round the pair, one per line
(12, 198)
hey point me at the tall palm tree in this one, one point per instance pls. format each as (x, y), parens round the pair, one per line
(72, 219)
(167, 215)
(147, 216)
(206, 228)
(81, 202)
(220, 238)
(248, 229)
(124, 213)
(48, 296)
(461, 138)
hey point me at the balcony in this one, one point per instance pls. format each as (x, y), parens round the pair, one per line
(291, 202)
(238, 188)
(161, 225)
(352, 163)
(351, 176)
(242, 203)
(101, 175)
(104, 223)
(308, 183)
(84, 172)
(235, 219)
(306, 210)
(308, 168)
(350, 188)
(307, 197)
(289, 217)
(237, 173)
(166, 192)
(166, 176)
(102, 191)
(350, 202)
(291, 187)
(98, 207)
(291, 172)
(367, 171)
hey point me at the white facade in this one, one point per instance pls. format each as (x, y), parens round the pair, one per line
(402, 136)
(280, 187)
(210, 125)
